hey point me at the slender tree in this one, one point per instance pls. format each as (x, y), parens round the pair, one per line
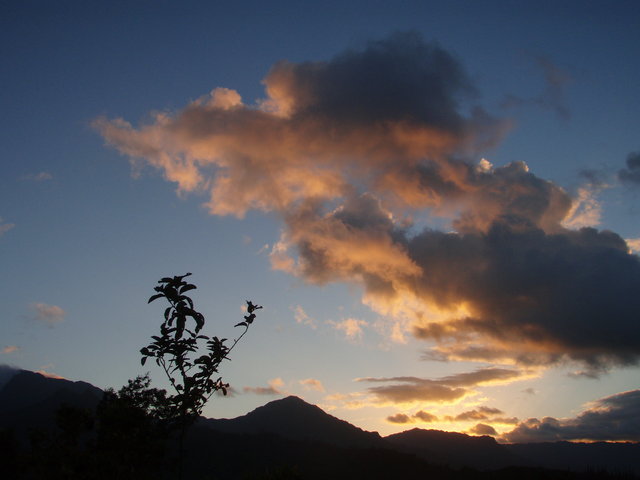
(192, 369)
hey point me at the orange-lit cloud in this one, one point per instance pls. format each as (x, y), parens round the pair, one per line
(347, 151)
(312, 384)
(302, 318)
(351, 327)
(10, 349)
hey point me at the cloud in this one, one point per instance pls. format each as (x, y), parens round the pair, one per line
(38, 177)
(553, 97)
(44, 373)
(10, 349)
(425, 417)
(483, 429)
(419, 416)
(399, 418)
(48, 314)
(312, 384)
(274, 388)
(481, 413)
(633, 244)
(349, 150)
(447, 389)
(302, 318)
(613, 418)
(586, 209)
(631, 174)
(351, 327)
(5, 227)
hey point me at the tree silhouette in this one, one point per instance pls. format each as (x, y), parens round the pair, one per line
(178, 350)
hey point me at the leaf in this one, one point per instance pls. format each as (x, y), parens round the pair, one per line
(155, 297)
(143, 360)
(187, 287)
(243, 324)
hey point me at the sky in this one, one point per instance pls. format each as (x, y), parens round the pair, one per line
(436, 203)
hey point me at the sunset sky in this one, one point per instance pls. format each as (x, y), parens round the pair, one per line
(437, 203)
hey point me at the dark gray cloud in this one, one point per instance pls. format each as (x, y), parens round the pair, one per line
(562, 294)
(400, 78)
(614, 418)
(631, 174)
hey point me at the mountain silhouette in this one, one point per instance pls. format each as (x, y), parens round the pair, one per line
(295, 419)
(292, 433)
(455, 449)
(30, 400)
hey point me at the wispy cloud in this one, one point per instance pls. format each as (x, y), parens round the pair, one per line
(9, 349)
(449, 389)
(312, 384)
(553, 97)
(37, 177)
(274, 388)
(631, 174)
(5, 227)
(47, 314)
(302, 318)
(352, 328)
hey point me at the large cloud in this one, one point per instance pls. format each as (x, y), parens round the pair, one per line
(615, 418)
(348, 151)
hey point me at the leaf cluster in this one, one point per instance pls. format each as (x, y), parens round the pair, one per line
(193, 376)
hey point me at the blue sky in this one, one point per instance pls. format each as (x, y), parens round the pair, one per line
(85, 233)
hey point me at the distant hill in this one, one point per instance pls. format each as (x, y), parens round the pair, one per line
(30, 400)
(295, 419)
(455, 449)
(614, 457)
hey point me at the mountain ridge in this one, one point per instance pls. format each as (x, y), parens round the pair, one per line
(30, 400)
